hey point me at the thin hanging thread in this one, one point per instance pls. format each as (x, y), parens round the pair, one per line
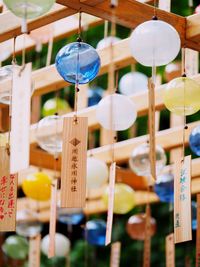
(155, 8)
(105, 29)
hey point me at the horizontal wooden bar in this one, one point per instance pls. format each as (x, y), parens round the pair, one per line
(10, 25)
(168, 139)
(61, 29)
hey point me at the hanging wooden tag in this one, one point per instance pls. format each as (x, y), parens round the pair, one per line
(115, 254)
(170, 250)
(8, 194)
(198, 233)
(191, 62)
(74, 160)
(20, 121)
(147, 241)
(165, 5)
(34, 251)
(182, 201)
(53, 216)
(152, 133)
(110, 203)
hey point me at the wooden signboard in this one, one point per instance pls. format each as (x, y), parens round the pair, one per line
(34, 251)
(110, 203)
(170, 250)
(74, 160)
(20, 121)
(8, 194)
(53, 216)
(198, 233)
(152, 140)
(115, 254)
(182, 201)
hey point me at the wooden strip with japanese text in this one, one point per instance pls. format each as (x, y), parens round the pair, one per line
(110, 203)
(115, 254)
(152, 131)
(182, 200)
(20, 120)
(52, 225)
(170, 250)
(198, 233)
(8, 193)
(34, 251)
(74, 160)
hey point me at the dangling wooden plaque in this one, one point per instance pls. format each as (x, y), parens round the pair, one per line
(74, 161)
(8, 193)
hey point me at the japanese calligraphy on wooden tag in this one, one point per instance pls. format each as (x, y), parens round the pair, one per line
(20, 122)
(170, 250)
(8, 194)
(74, 160)
(198, 233)
(164, 5)
(34, 251)
(182, 201)
(152, 142)
(147, 240)
(115, 254)
(110, 203)
(191, 62)
(53, 216)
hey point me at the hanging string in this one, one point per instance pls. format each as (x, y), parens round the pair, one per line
(49, 52)
(155, 9)
(105, 29)
(184, 99)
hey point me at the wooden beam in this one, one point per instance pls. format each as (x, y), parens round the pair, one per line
(10, 25)
(168, 139)
(134, 13)
(61, 29)
(193, 28)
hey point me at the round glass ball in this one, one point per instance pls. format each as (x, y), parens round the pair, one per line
(29, 8)
(136, 226)
(37, 186)
(78, 62)
(95, 94)
(154, 43)
(56, 104)
(62, 245)
(95, 232)
(70, 216)
(133, 83)
(140, 162)
(164, 187)
(116, 112)
(107, 41)
(48, 135)
(29, 229)
(194, 140)
(124, 198)
(97, 173)
(182, 96)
